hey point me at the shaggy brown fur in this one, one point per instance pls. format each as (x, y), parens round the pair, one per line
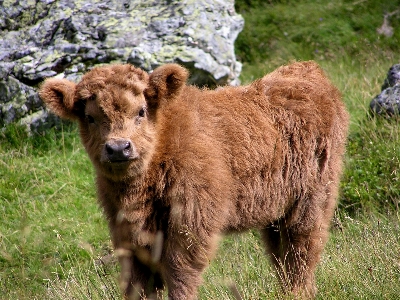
(195, 164)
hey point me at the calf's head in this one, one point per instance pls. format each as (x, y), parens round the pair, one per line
(116, 108)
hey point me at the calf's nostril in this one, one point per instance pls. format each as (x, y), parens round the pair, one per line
(127, 150)
(109, 149)
(127, 145)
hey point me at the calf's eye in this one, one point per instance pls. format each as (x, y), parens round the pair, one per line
(89, 119)
(141, 112)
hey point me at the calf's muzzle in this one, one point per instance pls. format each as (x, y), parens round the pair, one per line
(119, 150)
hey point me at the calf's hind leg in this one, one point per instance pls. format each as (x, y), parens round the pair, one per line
(276, 246)
(295, 251)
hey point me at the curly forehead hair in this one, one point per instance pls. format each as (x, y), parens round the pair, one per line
(123, 76)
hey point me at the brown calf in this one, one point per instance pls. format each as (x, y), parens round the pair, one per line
(194, 164)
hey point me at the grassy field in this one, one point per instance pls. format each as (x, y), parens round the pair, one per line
(54, 242)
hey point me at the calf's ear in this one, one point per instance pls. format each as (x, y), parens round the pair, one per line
(165, 83)
(59, 97)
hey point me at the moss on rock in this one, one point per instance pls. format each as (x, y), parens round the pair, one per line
(47, 38)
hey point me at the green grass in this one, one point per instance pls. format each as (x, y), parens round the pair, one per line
(314, 29)
(53, 236)
(360, 262)
(48, 210)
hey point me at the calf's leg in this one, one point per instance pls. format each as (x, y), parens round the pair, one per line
(139, 279)
(184, 263)
(276, 245)
(139, 276)
(295, 248)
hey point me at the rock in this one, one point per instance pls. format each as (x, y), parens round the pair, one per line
(67, 38)
(393, 77)
(387, 103)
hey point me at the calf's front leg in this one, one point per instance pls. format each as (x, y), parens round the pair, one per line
(185, 258)
(139, 277)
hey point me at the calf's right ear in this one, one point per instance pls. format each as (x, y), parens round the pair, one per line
(59, 97)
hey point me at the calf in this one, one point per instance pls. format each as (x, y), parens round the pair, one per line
(193, 164)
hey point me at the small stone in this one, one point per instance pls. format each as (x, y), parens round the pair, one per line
(393, 77)
(387, 103)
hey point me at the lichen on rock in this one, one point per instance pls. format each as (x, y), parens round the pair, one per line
(40, 39)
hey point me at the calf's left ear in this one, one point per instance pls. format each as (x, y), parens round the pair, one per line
(165, 83)
(59, 97)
